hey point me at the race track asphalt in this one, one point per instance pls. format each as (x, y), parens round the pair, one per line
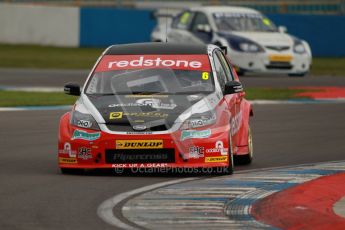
(34, 195)
(57, 78)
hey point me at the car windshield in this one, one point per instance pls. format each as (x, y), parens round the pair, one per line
(151, 74)
(243, 22)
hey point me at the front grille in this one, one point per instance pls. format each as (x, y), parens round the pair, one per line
(278, 48)
(279, 65)
(126, 127)
(123, 156)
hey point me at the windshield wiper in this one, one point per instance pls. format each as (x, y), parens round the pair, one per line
(145, 92)
(100, 94)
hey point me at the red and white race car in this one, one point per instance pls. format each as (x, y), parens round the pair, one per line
(157, 105)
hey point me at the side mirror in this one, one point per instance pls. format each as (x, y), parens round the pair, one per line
(72, 89)
(224, 49)
(232, 87)
(204, 28)
(282, 29)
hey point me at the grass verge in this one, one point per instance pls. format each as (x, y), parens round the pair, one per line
(16, 98)
(272, 93)
(44, 57)
(328, 66)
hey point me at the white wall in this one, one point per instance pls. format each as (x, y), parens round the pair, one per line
(42, 25)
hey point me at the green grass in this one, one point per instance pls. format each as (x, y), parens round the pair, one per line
(271, 94)
(25, 56)
(13, 98)
(328, 66)
(42, 57)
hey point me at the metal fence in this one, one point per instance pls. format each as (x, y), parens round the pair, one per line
(266, 6)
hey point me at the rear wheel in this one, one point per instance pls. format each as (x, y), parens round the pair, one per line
(297, 74)
(247, 158)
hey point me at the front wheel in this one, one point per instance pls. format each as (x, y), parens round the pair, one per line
(230, 169)
(247, 158)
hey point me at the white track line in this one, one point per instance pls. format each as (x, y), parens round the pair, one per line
(36, 108)
(105, 210)
(31, 89)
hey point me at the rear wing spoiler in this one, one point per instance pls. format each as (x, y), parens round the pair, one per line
(155, 14)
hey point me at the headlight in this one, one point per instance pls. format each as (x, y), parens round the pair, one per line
(248, 47)
(199, 120)
(299, 47)
(83, 120)
(245, 45)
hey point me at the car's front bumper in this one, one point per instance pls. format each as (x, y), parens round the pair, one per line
(105, 152)
(271, 62)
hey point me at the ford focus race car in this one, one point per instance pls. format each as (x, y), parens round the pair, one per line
(157, 105)
(255, 44)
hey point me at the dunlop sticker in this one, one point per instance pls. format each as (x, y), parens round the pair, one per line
(64, 160)
(216, 159)
(139, 144)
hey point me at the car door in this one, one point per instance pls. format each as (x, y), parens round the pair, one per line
(180, 28)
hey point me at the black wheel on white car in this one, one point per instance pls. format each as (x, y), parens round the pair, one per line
(297, 74)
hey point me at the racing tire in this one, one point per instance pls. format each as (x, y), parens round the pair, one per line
(297, 74)
(247, 158)
(70, 171)
(229, 170)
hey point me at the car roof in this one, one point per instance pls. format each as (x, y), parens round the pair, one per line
(156, 48)
(227, 9)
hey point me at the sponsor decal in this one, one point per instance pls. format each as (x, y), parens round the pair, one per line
(84, 124)
(236, 15)
(219, 148)
(182, 62)
(84, 153)
(79, 134)
(236, 123)
(139, 127)
(115, 115)
(151, 102)
(139, 144)
(136, 165)
(216, 159)
(197, 123)
(148, 114)
(188, 134)
(155, 103)
(64, 160)
(67, 149)
(138, 133)
(280, 58)
(196, 152)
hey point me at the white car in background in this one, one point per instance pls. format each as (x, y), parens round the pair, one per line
(255, 44)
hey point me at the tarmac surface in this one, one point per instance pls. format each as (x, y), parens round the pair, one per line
(34, 195)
